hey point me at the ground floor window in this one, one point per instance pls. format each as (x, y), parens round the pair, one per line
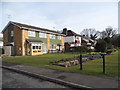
(36, 47)
(53, 47)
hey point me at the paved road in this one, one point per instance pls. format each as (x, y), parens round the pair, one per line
(12, 79)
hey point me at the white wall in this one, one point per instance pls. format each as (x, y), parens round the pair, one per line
(70, 39)
(1, 43)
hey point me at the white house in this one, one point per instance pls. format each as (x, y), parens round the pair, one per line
(1, 41)
(72, 39)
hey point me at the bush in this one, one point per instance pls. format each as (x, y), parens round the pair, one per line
(101, 46)
(79, 49)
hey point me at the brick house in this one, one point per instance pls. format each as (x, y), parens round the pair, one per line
(31, 40)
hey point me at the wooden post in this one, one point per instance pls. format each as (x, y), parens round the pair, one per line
(103, 63)
(80, 62)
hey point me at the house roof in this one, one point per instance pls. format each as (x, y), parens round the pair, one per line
(72, 33)
(34, 28)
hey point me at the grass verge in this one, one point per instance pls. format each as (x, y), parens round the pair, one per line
(93, 67)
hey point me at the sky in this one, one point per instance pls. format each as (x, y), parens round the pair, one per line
(58, 15)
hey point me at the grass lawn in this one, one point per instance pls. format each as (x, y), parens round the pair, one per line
(93, 67)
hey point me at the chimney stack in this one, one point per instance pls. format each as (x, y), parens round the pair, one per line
(65, 31)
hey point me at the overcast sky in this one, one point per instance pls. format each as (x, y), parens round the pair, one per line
(58, 15)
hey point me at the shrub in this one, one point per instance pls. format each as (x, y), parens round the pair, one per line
(101, 46)
(79, 49)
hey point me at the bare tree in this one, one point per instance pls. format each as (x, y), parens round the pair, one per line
(109, 32)
(91, 33)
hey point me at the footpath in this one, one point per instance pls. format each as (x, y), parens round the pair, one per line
(74, 80)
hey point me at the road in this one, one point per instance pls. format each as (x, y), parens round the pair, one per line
(12, 79)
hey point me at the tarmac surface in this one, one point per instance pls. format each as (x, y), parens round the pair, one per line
(12, 79)
(82, 80)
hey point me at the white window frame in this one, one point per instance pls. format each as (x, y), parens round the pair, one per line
(31, 33)
(53, 48)
(59, 37)
(52, 36)
(12, 33)
(42, 35)
(36, 44)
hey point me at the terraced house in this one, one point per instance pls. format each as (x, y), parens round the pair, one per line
(30, 40)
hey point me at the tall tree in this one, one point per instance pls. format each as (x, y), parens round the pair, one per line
(109, 32)
(91, 33)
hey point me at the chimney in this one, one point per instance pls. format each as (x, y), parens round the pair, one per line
(65, 31)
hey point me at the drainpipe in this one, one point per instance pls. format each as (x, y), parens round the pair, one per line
(22, 43)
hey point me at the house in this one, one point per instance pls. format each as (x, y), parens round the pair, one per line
(30, 40)
(72, 39)
(1, 45)
(88, 41)
(1, 41)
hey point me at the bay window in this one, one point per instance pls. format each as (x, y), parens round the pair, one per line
(36, 47)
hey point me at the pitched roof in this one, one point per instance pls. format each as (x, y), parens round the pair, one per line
(72, 33)
(25, 26)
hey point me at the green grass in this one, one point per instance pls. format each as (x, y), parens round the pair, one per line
(93, 67)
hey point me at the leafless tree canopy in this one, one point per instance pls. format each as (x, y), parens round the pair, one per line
(92, 33)
(109, 32)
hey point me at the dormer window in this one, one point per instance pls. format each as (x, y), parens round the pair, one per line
(12, 33)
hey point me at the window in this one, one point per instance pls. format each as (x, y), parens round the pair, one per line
(39, 47)
(52, 36)
(36, 47)
(33, 47)
(59, 37)
(12, 33)
(42, 35)
(53, 47)
(31, 33)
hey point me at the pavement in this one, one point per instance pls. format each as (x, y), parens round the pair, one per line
(74, 80)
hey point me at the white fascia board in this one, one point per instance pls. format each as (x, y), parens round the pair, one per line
(42, 31)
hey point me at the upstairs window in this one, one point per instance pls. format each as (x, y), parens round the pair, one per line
(59, 37)
(42, 35)
(31, 33)
(12, 33)
(52, 36)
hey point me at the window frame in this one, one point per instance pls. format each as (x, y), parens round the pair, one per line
(12, 33)
(36, 45)
(52, 46)
(59, 37)
(52, 36)
(31, 33)
(42, 35)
